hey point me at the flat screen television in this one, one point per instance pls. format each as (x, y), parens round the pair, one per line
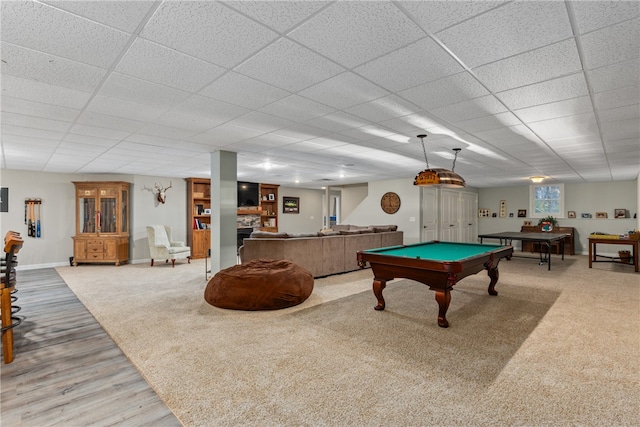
(248, 194)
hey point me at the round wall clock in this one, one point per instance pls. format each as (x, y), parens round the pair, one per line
(390, 202)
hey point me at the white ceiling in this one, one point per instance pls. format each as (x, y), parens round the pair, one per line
(317, 93)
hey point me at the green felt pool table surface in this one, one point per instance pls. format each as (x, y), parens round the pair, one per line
(437, 251)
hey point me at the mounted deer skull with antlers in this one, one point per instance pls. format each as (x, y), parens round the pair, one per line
(160, 192)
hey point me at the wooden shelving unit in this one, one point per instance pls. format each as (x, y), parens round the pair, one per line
(269, 205)
(198, 223)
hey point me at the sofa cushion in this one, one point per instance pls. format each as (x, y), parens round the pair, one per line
(328, 232)
(268, 235)
(294, 235)
(349, 232)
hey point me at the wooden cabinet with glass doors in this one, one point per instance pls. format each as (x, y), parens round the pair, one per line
(102, 222)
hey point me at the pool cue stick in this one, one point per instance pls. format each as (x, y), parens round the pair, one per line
(30, 222)
(38, 221)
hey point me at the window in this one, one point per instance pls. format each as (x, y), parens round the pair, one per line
(546, 200)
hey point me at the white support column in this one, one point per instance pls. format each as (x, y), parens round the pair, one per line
(224, 194)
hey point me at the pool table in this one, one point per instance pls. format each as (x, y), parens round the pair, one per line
(439, 265)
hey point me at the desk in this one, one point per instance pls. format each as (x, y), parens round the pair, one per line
(593, 241)
(439, 265)
(543, 237)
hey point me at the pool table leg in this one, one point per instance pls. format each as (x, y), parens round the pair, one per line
(494, 275)
(378, 286)
(443, 297)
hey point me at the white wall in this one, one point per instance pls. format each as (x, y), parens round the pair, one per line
(58, 210)
(310, 217)
(56, 190)
(580, 198)
(369, 212)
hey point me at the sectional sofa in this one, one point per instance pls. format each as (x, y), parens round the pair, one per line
(323, 253)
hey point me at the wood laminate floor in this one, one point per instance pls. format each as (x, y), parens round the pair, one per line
(67, 371)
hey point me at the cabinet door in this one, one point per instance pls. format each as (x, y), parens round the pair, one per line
(468, 217)
(107, 212)
(87, 213)
(429, 214)
(110, 251)
(79, 250)
(450, 216)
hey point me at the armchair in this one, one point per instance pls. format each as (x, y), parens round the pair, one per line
(162, 247)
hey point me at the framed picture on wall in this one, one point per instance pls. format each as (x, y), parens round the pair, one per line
(601, 215)
(571, 214)
(522, 213)
(290, 205)
(620, 213)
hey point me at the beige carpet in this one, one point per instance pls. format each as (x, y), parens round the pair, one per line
(553, 348)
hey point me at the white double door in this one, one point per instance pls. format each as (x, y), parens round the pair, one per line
(449, 215)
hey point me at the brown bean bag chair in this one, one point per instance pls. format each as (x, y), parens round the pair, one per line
(260, 284)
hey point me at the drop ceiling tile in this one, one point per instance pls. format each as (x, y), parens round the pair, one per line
(225, 134)
(60, 33)
(435, 16)
(352, 33)
(446, 91)
(201, 113)
(92, 146)
(121, 108)
(554, 90)
(241, 90)
(106, 121)
(488, 122)
(593, 15)
(289, 66)
(279, 16)
(343, 91)
(159, 64)
(384, 108)
(622, 129)
(41, 92)
(168, 144)
(35, 146)
(301, 132)
(207, 30)
(297, 108)
(617, 98)
(615, 76)
(620, 113)
(420, 62)
(34, 122)
(157, 129)
(260, 121)
(90, 140)
(566, 127)
(125, 16)
(624, 146)
(611, 45)
(508, 30)
(412, 123)
(535, 66)
(337, 122)
(552, 110)
(26, 133)
(466, 110)
(37, 109)
(132, 89)
(50, 69)
(98, 132)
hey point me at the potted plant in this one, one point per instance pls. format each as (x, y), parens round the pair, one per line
(548, 223)
(548, 219)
